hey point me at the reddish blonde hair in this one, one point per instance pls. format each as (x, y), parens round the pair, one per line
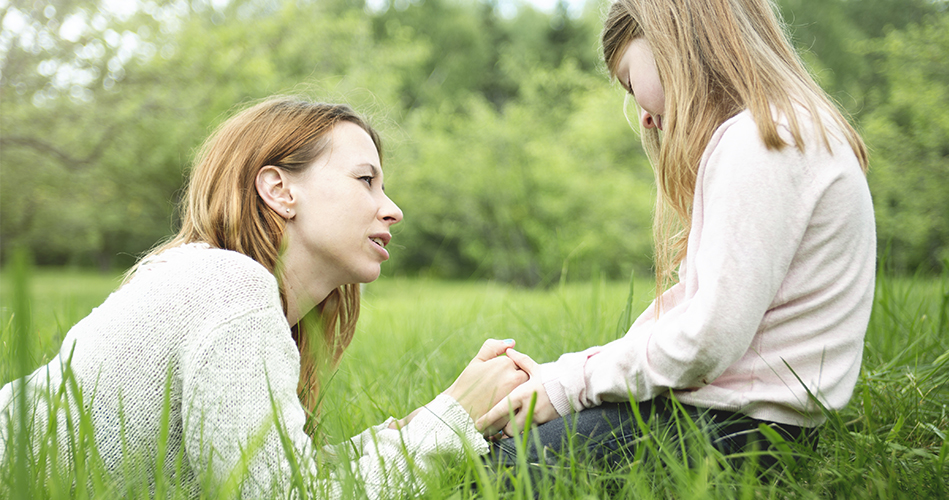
(223, 209)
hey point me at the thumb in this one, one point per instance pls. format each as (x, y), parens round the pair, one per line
(493, 348)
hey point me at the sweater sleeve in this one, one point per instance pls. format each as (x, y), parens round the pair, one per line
(748, 220)
(387, 462)
(243, 421)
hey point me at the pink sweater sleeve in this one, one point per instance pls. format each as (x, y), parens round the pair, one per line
(745, 303)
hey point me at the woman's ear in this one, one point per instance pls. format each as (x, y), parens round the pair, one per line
(273, 186)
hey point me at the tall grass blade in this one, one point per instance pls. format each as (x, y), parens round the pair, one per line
(21, 351)
(626, 318)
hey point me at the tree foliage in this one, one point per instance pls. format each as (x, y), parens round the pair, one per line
(506, 146)
(908, 129)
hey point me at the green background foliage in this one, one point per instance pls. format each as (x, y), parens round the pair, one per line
(506, 146)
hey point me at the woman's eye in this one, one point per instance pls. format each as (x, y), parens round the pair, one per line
(367, 178)
(629, 87)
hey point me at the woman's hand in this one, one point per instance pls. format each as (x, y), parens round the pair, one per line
(487, 379)
(398, 424)
(518, 402)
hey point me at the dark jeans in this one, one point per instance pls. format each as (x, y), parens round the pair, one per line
(611, 434)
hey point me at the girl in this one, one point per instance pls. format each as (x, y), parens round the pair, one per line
(217, 330)
(764, 208)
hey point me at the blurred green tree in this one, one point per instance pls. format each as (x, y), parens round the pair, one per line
(555, 182)
(506, 147)
(97, 129)
(908, 131)
(829, 33)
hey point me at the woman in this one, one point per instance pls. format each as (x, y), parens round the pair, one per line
(212, 335)
(764, 208)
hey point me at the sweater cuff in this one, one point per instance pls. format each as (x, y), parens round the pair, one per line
(549, 376)
(451, 414)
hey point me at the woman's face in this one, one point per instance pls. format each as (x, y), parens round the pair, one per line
(342, 217)
(637, 73)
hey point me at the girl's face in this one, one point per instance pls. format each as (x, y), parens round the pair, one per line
(637, 73)
(342, 215)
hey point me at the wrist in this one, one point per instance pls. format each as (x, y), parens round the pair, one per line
(402, 422)
(550, 379)
(451, 397)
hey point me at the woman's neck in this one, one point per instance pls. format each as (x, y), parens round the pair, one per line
(303, 293)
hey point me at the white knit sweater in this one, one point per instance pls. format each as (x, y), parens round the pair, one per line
(202, 332)
(774, 295)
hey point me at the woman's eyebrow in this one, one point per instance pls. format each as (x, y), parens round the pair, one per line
(374, 170)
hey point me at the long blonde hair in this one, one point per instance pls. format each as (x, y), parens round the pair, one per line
(223, 209)
(715, 58)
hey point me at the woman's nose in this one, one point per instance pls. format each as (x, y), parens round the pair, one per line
(390, 211)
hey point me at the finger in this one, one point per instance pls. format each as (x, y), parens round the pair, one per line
(517, 424)
(509, 430)
(497, 416)
(506, 372)
(500, 413)
(510, 376)
(487, 426)
(491, 428)
(523, 361)
(493, 348)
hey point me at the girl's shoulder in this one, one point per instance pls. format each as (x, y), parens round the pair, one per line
(743, 127)
(736, 134)
(810, 161)
(740, 130)
(816, 130)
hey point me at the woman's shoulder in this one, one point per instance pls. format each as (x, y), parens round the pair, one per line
(203, 256)
(210, 270)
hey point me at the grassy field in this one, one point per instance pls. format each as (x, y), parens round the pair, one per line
(415, 336)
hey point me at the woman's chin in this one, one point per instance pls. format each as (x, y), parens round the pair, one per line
(369, 276)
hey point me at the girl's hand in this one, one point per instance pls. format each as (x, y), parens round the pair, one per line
(518, 402)
(487, 379)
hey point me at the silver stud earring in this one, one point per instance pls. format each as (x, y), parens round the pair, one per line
(288, 210)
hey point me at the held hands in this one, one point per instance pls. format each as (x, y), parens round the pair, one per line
(492, 386)
(518, 402)
(487, 378)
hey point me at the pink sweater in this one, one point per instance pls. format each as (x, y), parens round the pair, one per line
(773, 298)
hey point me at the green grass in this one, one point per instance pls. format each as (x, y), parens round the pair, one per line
(415, 336)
